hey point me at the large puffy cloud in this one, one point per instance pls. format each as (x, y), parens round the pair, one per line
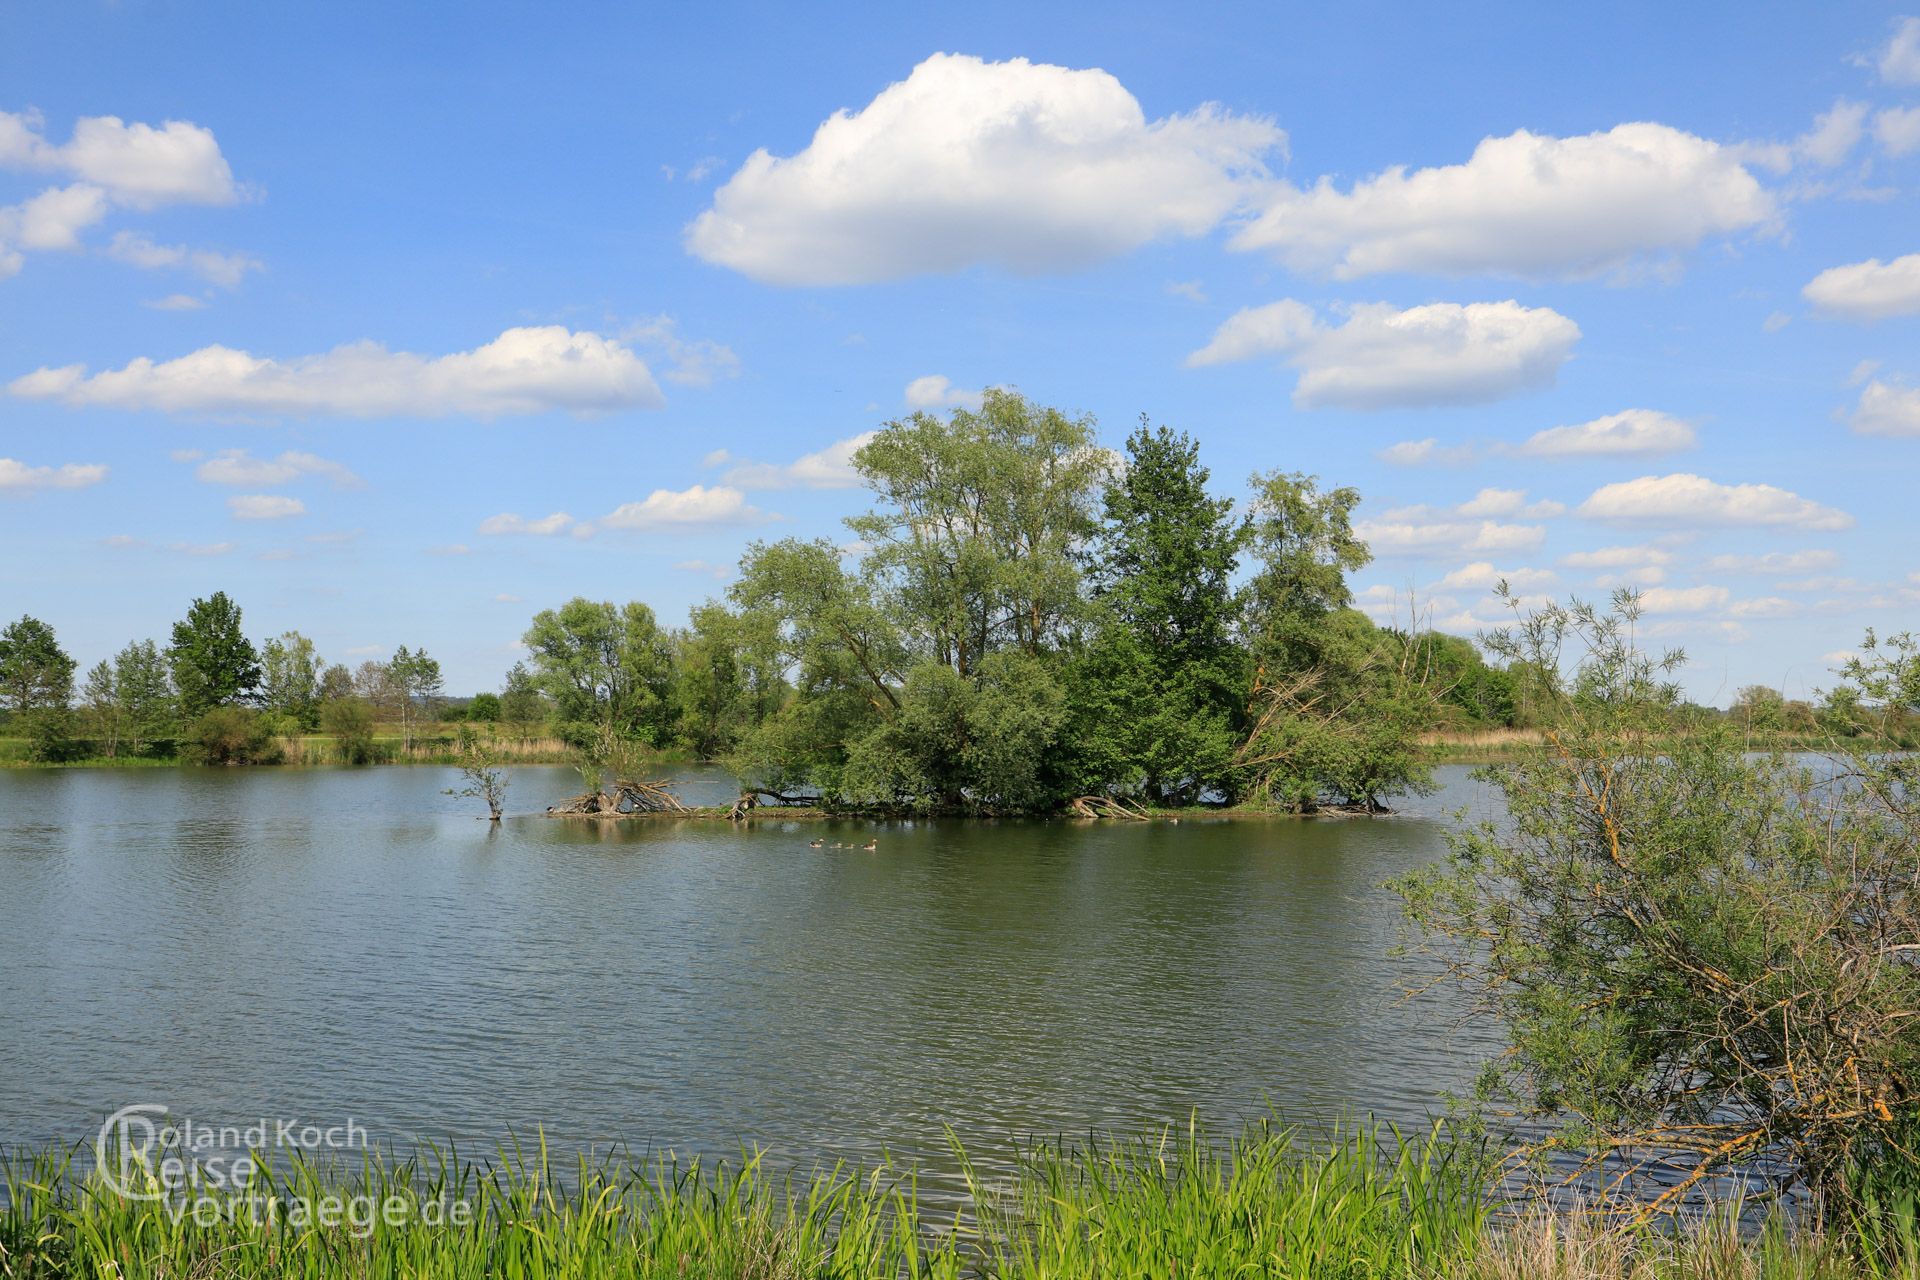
(1897, 129)
(936, 391)
(1870, 290)
(1632, 431)
(828, 468)
(1524, 205)
(1887, 409)
(1381, 357)
(17, 476)
(1689, 499)
(525, 370)
(138, 164)
(1016, 164)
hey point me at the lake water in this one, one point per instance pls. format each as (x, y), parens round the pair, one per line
(330, 944)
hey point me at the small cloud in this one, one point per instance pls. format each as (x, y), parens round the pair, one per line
(1425, 453)
(176, 302)
(697, 505)
(200, 548)
(1690, 499)
(508, 523)
(1899, 60)
(828, 468)
(18, 477)
(692, 362)
(1632, 431)
(934, 391)
(265, 506)
(506, 598)
(122, 542)
(1777, 321)
(719, 572)
(1188, 289)
(223, 269)
(238, 467)
(1887, 409)
(1509, 502)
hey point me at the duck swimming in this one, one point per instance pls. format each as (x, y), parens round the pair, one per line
(815, 844)
(871, 845)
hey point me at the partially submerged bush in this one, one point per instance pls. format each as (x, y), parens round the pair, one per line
(1705, 961)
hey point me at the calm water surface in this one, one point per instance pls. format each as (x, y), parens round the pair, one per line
(326, 944)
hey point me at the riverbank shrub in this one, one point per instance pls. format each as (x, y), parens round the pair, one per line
(1707, 962)
(231, 735)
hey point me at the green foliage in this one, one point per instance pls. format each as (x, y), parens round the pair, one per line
(1702, 958)
(350, 723)
(1160, 690)
(484, 708)
(231, 735)
(36, 686)
(608, 671)
(1471, 692)
(521, 703)
(480, 768)
(143, 697)
(729, 676)
(212, 662)
(414, 680)
(290, 679)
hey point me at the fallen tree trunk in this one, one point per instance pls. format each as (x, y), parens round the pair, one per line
(1108, 807)
(627, 795)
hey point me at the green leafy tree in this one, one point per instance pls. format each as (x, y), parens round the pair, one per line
(231, 735)
(100, 704)
(484, 708)
(213, 663)
(1161, 690)
(729, 678)
(416, 687)
(1337, 703)
(521, 703)
(335, 682)
(143, 694)
(981, 521)
(290, 680)
(36, 685)
(608, 670)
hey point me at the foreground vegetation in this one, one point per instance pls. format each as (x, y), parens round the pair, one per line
(1359, 1205)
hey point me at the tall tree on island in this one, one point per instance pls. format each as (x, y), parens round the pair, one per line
(1161, 690)
(213, 663)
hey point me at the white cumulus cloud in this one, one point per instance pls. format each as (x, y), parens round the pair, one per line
(1689, 499)
(1482, 576)
(1870, 290)
(1409, 535)
(17, 476)
(1016, 164)
(523, 371)
(1631, 431)
(1381, 357)
(828, 468)
(668, 508)
(1702, 599)
(1777, 562)
(542, 527)
(1425, 453)
(1524, 205)
(1887, 409)
(936, 391)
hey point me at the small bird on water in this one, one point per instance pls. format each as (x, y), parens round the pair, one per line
(871, 845)
(813, 844)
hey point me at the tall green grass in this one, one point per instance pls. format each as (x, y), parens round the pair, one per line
(1361, 1204)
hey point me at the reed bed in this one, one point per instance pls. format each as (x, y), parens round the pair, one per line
(1363, 1204)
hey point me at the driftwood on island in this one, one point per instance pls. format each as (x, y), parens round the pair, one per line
(625, 796)
(1108, 807)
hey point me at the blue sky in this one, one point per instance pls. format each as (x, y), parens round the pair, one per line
(399, 322)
